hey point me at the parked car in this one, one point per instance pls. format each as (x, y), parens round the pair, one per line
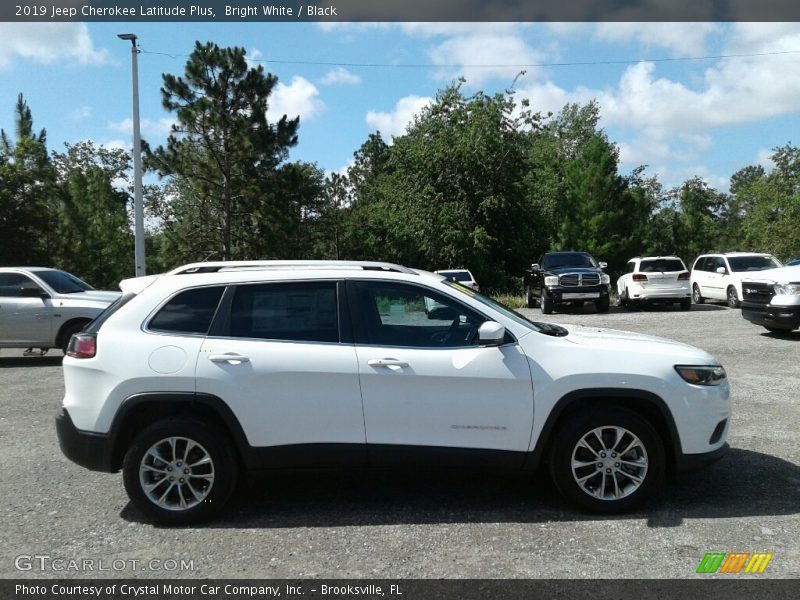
(655, 280)
(793, 263)
(772, 299)
(190, 378)
(462, 276)
(719, 276)
(42, 308)
(567, 278)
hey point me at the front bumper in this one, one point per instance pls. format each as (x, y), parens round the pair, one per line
(767, 315)
(567, 294)
(85, 448)
(688, 463)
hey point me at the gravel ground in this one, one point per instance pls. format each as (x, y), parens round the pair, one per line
(429, 525)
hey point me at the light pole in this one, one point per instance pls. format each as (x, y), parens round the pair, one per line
(138, 205)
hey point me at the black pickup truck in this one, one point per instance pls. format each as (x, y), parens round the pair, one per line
(567, 278)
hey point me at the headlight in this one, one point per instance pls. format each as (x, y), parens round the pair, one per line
(605, 279)
(787, 289)
(551, 281)
(712, 375)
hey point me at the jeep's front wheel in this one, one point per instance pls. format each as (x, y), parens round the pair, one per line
(180, 471)
(607, 461)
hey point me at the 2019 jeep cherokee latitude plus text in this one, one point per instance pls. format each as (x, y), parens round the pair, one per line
(194, 376)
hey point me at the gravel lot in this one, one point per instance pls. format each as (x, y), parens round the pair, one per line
(428, 525)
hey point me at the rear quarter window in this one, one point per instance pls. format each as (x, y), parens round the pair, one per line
(190, 311)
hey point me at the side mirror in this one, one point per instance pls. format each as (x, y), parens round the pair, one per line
(535, 267)
(28, 292)
(722, 270)
(603, 264)
(491, 333)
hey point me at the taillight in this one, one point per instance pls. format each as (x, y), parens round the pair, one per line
(82, 345)
(639, 277)
(684, 276)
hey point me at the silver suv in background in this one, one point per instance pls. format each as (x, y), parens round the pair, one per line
(42, 308)
(719, 276)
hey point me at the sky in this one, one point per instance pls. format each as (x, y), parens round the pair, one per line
(704, 117)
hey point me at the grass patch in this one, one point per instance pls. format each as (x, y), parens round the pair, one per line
(510, 300)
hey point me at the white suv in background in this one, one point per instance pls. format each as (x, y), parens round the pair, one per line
(196, 376)
(655, 279)
(41, 308)
(719, 276)
(462, 276)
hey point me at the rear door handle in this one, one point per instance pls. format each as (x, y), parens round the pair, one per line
(229, 358)
(386, 362)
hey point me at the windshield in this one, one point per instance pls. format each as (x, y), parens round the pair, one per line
(752, 263)
(567, 259)
(456, 275)
(62, 282)
(503, 310)
(661, 265)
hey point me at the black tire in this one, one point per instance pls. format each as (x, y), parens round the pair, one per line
(778, 330)
(546, 304)
(218, 449)
(685, 304)
(66, 336)
(529, 297)
(697, 297)
(732, 298)
(580, 424)
(602, 304)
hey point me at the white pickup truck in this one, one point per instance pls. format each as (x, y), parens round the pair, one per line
(42, 308)
(772, 300)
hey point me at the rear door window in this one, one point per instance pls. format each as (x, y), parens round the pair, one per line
(191, 311)
(661, 265)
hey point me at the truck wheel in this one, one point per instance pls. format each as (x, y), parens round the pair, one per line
(547, 304)
(697, 298)
(529, 297)
(180, 471)
(69, 332)
(602, 304)
(733, 299)
(607, 460)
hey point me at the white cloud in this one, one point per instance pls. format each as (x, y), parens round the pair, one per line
(79, 114)
(159, 128)
(300, 97)
(491, 51)
(681, 39)
(340, 76)
(764, 158)
(254, 57)
(48, 43)
(395, 123)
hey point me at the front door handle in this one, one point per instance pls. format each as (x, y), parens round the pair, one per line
(231, 358)
(386, 362)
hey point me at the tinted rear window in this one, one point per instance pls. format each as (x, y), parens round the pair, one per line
(661, 265)
(190, 311)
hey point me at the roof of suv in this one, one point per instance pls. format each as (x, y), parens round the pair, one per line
(735, 254)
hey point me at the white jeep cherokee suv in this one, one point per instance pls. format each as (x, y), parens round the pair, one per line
(218, 368)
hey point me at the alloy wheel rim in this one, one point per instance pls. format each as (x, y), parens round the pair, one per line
(609, 463)
(176, 473)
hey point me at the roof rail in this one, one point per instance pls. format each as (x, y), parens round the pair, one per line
(254, 265)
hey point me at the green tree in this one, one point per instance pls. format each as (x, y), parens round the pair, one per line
(26, 193)
(223, 155)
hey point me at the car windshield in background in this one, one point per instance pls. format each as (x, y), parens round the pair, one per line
(62, 282)
(568, 259)
(661, 265)
(456, 275)
(503, 310)
(752, 263)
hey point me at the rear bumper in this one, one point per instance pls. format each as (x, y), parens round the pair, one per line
(687, 463)
(87, 449)
(671, 294)
(766, 315)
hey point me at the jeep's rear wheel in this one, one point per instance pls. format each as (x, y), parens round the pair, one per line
(607, 461)
(697, 297)
(180, 471)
